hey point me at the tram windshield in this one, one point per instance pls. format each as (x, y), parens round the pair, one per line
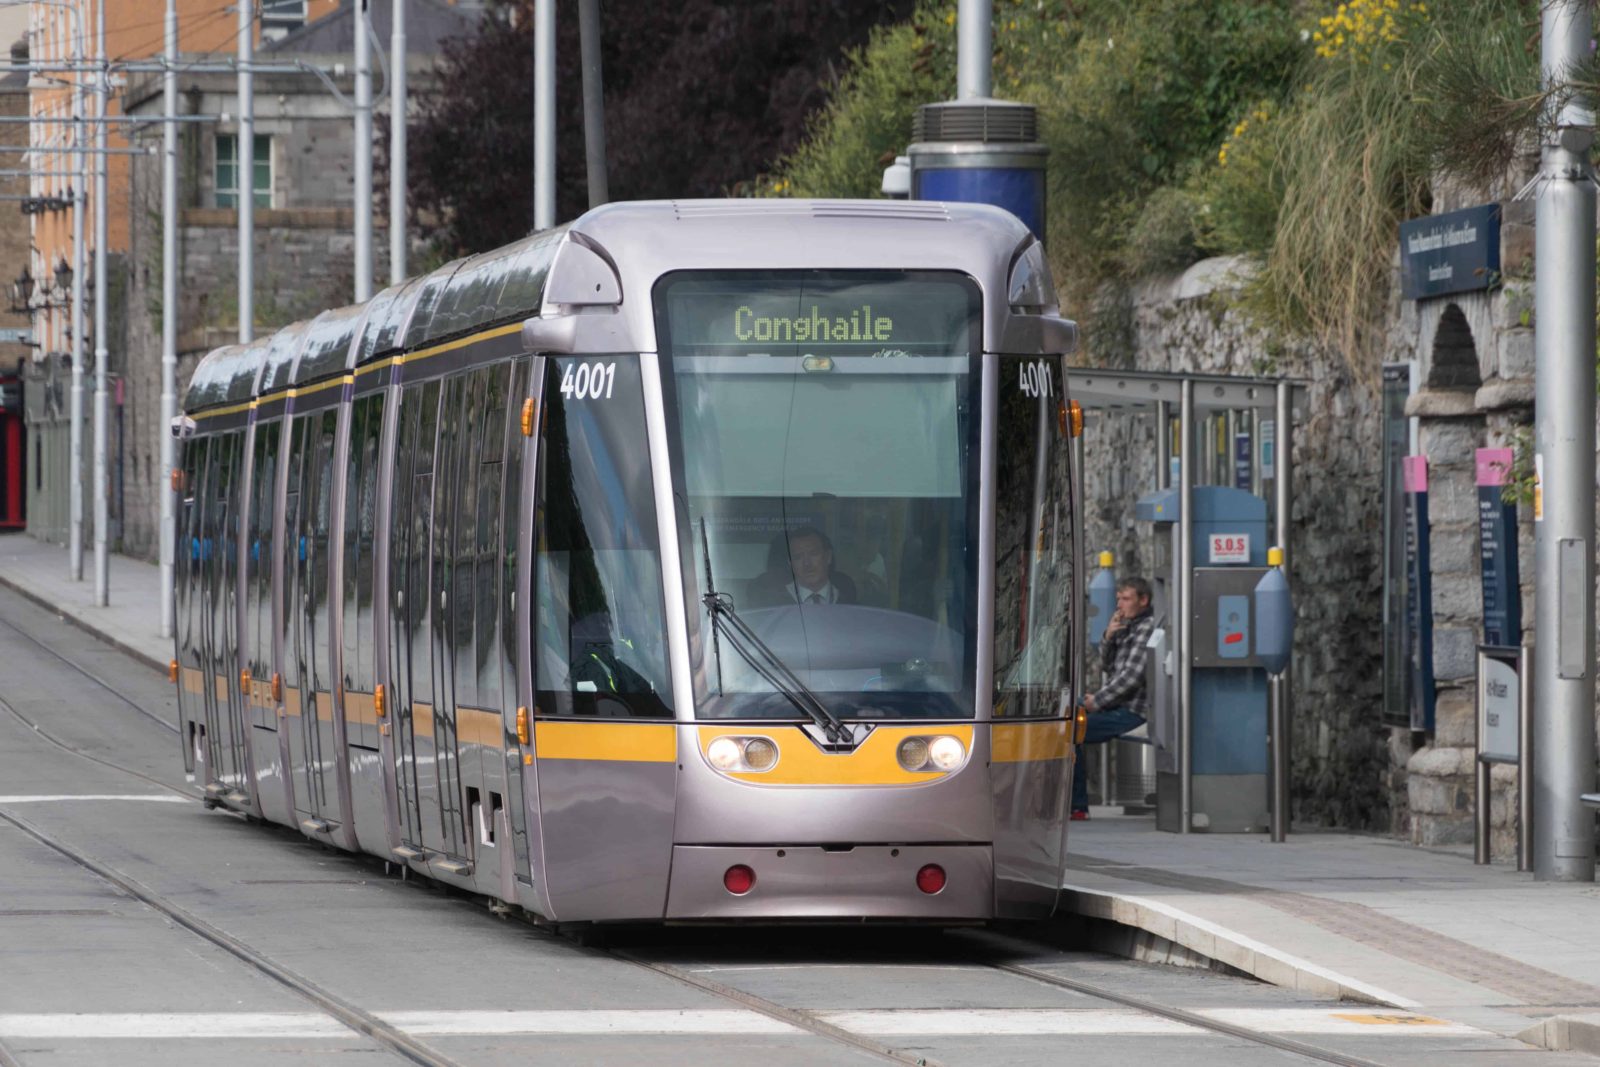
(825, 435)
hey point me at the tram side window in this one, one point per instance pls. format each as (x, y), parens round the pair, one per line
(486, 595)
(258, 557)
(323, 428)
(360, 520)
(187, 609)
(221, 522)
(599, 625)
(511, 543)
(1033, 540)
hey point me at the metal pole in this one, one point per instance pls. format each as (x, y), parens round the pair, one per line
(1080, 635)
(169, 314)
(544, 114)
(102, 564)
(1277, 695)
(79, 322)
(397, 142)
(1283, 704)
(594, 101)
(1186, 471)
(246, 156)
(1524, 761)
(1256, 485)
(1564, 386)
(1164, 444)
(1480, 808)
(363, 156)
(974, 53)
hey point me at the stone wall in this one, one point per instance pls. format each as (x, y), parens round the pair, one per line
(1475, 360)
(1187, 323)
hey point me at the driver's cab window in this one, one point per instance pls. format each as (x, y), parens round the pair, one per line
(599, 630)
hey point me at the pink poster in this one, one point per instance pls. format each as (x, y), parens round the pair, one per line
(1416, 473)
(1494, 466)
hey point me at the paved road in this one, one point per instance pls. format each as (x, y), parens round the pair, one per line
(137, 928)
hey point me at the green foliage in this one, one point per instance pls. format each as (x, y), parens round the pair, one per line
(1132, 98)
(1300, 135)
(1167, 234)
(1319, 192)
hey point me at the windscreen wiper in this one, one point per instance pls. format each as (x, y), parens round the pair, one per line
(762, 659)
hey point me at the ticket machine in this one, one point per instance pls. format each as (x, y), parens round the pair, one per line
(1228, 677)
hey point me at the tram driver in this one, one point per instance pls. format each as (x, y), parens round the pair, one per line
(807, 577)
(1121, 704)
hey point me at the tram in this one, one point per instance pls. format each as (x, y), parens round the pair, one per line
(694, 561)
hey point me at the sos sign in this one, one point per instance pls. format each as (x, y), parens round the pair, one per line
(1230, 548)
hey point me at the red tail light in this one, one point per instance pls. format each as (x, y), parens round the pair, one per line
(931, 878)
(739, 879)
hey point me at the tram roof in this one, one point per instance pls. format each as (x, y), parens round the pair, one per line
(642, 240)
(657, 236)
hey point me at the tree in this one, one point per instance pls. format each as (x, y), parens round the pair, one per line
(700, 96)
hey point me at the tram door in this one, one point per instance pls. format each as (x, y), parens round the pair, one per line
(308, 676)
(413, 609)
(1035, 553)
(226, 718)
(193, 669)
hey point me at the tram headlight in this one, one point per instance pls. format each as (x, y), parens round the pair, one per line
(724, 754)
(913, 753)
(946, 753)
(760, 754)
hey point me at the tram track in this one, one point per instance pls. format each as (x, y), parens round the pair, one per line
(351, 1015)
(1180, 1015)
(985, 946)
(90, 675)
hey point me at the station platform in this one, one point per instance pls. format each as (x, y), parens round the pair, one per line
(1361, 917)
(1358, 916)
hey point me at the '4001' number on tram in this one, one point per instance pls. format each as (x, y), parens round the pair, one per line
(589, 381)
(1036, 379)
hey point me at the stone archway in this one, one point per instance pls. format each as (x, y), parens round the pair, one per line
(1453, 363)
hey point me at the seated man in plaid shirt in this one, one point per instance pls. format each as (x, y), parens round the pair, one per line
(1121, 704)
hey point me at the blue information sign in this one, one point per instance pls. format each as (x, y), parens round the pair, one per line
(1419, 594)
(1497, 549)
(1451, 253)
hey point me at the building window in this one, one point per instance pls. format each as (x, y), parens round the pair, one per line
(228, 170)
(279, 17)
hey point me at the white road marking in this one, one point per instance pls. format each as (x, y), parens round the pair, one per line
(152, 798)
(975, 1022)
(952, 1022)
(588, 1021)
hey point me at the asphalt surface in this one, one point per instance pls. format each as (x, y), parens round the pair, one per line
(138, 928)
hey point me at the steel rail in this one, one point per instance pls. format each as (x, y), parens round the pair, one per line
(73, 750)
(1188, 1018)
(796, 1017)
(96, 679)
(356, 1018)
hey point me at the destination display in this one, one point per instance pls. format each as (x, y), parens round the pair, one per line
(830, 314)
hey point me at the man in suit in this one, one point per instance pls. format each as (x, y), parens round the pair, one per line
(811, 579)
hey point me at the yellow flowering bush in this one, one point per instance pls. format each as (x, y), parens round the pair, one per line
(1358, 28)
(1259, 117)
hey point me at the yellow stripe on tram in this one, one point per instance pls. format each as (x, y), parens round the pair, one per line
(594, 739)
(1031, 741)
